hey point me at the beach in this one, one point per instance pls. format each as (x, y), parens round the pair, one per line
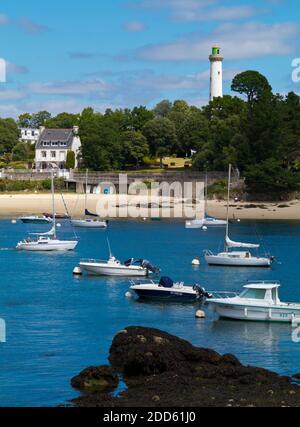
(15, 205)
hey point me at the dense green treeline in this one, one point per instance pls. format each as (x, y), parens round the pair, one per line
(260, 135)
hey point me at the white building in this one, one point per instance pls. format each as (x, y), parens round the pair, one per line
(29, 135)
(216, 73)
(53, 146)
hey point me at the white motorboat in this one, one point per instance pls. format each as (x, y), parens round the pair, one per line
(167, 290)
(114, 267)
(233, 258)
(259, 301)
(46, 242)
(36, 220)
(91, 220)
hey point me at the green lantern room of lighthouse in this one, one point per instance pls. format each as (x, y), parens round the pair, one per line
(216, 50)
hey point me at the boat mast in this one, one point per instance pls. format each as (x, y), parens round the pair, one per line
(228, 201)
(206, 194)
(109, 248)
(53, 203)
(86, 190)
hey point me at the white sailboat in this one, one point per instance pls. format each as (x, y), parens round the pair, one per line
(206, 221)
(236, 258)
(46, 242)
(91, 220)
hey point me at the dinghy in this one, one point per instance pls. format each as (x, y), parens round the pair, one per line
(259, 301)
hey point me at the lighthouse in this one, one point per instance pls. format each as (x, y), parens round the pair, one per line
(216, 73)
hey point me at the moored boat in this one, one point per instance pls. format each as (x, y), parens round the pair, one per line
(167, 290)
(259, 301)
(36, 220)
(114, 267)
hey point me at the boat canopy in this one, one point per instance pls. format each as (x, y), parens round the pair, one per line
(231, 244)
(166, 282)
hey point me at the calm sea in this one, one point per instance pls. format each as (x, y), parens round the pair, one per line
(58, 324)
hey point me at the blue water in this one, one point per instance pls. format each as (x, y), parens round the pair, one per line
(58, 324)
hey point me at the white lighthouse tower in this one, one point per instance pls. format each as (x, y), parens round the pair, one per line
(216, 73)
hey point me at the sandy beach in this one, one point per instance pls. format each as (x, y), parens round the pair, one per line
(15, 205)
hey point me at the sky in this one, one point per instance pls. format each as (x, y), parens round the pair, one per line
(65, 55)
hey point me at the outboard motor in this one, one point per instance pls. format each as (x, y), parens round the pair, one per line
(203, 295)
(149, 267)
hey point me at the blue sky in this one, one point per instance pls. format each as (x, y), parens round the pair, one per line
(63, 55)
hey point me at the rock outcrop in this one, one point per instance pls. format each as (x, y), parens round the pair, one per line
(162, 370)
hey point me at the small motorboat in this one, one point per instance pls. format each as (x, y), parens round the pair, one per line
(167, 290)
(237, 259)
(114, 267)
(259, 301)
(36, 220)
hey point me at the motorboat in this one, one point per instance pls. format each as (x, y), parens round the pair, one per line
(167, 290)
(114, 267)
(237, 258)
(90, 220)
(46, 242)
(36, 220)
(259, 301)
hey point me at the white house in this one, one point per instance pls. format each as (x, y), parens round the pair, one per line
(30, 135)
(53, 146)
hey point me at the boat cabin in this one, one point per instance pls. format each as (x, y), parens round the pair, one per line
(262, 291)
(236, 254)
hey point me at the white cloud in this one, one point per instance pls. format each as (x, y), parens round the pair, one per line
(96, 87)
(250, 40)
(4, 19)
(30, 26)
(200, 10)
(134, 26)
(11, 95)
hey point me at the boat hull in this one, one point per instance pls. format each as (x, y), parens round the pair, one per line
(89, 224)
(55, 246)
(105, 270)
(237, 262)
(36, 220)
(214, 223)
(165, 295)
(195, 224)
(265, 314)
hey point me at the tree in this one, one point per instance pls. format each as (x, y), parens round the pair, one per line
(25, 120)
(135, 147)
(71, 160)
(20, 152)
(9, 135)
(252, 84)
(161, 137)
(39, 119)
(163, 108)
(62, 121)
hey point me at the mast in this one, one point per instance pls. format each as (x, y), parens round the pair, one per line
(86, 190)
(206, 194)
(53, 203)
(228, 201)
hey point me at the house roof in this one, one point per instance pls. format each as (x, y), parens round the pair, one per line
(62, 137)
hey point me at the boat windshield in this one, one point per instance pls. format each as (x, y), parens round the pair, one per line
(254, 294)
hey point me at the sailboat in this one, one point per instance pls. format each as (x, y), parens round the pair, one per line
(207, 221)
(236, 258)
(91, 220)
(46, 242)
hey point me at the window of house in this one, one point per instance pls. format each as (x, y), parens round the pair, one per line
(53, 154)
(44, 154)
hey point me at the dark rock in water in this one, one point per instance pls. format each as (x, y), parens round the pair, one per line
(162, 370)
(96, 379)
